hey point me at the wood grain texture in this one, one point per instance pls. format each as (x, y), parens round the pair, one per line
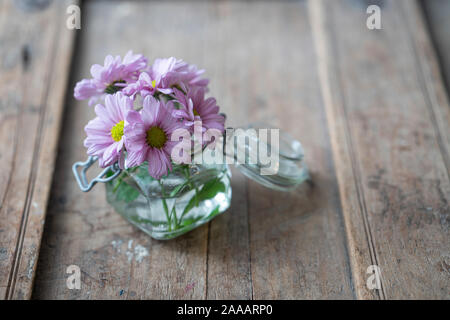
(260, 59)
(389, 117)
(294, 244)
(297, 239)
(34, 61)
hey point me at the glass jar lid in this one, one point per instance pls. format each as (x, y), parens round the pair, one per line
(267, 155)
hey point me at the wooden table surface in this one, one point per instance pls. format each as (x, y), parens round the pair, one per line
(369, 106)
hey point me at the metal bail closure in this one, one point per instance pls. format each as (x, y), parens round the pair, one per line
(81, 178)
(267, 155)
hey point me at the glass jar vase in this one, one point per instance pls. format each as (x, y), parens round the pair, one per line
(189, 196)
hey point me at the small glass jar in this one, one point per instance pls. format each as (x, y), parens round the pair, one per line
(189, 196)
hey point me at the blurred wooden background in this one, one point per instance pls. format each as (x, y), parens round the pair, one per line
(370, 107)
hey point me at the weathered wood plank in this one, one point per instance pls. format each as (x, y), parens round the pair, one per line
(82, 229)
(283, 257)
(388, 117)
(297, 239)
(34, 61)
(251, 80)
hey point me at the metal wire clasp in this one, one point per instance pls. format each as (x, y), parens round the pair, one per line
(81, 178)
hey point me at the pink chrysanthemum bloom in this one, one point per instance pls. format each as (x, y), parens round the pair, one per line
(164, 74)
(148, 137)
(105, 137)
(113, 76)
(194, 107)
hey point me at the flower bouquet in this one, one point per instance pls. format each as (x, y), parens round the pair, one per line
(151, 120)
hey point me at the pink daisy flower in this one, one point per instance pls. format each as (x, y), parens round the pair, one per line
(196, 108)
(164, 74)
(145, 86)
(148, 137)
(113, 76)
(105, 137)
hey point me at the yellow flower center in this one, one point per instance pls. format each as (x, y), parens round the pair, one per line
(154, 83)
(117, 131)
(156, 137)
(196, 113)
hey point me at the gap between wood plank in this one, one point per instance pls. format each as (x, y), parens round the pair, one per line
(32, 181)
(345, 151)
(326, 49)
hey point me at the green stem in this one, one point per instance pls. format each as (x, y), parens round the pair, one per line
(121, 176)
(174, 215)
(166, 209)
(187, 173)
(188, 178)
(119, 181)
